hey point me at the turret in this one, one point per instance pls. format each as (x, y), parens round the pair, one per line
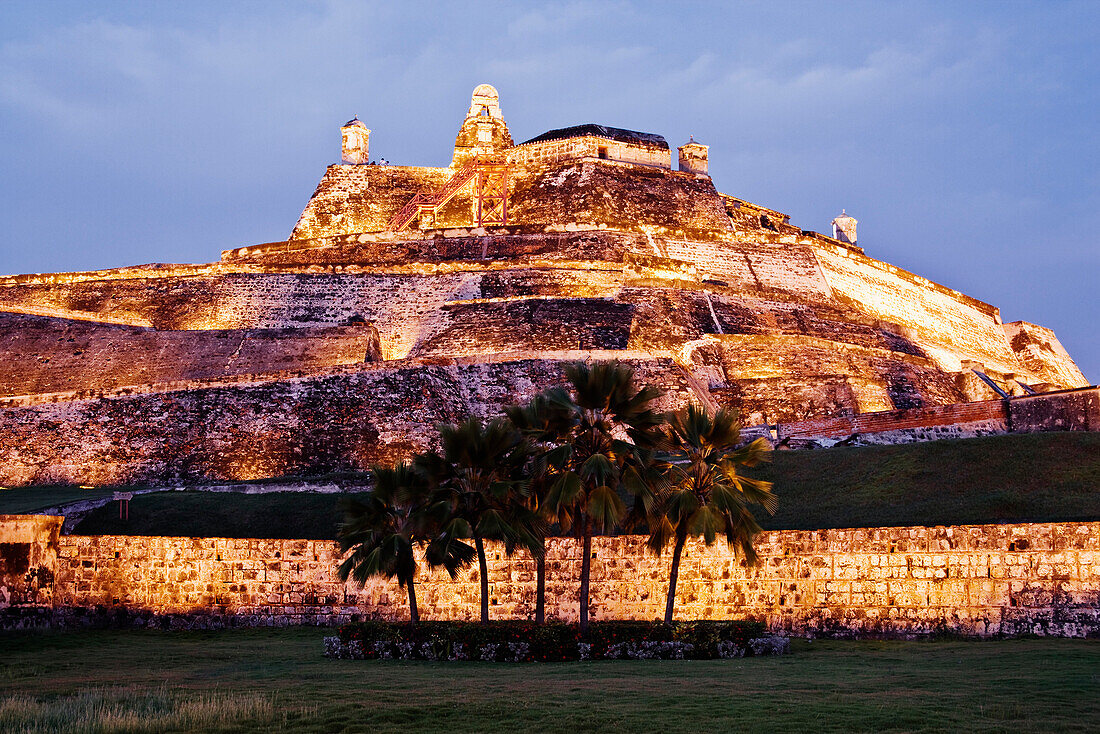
(355, 142)
(484, 131)
(693, 157)
(844, 228)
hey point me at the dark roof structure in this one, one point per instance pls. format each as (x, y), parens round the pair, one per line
(601, 131)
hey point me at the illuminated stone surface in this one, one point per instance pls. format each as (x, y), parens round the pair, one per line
(1039, 578)
(155, 372)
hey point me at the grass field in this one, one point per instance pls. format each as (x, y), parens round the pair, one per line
(23, 500)
(272, 680)
(222, 515)
(1034, 477)
(1016, 478)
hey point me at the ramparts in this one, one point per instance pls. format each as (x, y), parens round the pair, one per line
(978, 580)
(252, 365)
(49, 355)
(345, 418)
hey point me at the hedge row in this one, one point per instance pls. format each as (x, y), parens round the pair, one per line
(521, 641)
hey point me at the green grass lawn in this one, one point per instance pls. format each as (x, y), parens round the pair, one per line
(222, 515)
(26, 500)
(1034, 477)
(271, 680)
(1016, 478)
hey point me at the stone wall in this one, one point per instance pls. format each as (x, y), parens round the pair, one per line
(1039, 350)
(277, 425)
(1067, 410)
(784, 378)
(620, 196)
(363, 198)
(961, 326)
(589, 146)
(975, 580)
(28, 559)
(49, 355)
(939, 421)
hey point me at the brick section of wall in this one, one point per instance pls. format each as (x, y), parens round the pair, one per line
(990, 412)
(46, 355)
(976, 580)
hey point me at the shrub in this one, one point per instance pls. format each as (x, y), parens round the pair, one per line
(523, 641)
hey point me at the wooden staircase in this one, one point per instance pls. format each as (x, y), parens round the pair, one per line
(490, 176)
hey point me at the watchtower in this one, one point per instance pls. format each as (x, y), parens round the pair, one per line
(484, 131)
(844, 228)
(693, 157)
(355, 142)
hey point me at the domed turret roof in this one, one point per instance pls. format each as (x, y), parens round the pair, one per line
(487, 91)
(354, 122)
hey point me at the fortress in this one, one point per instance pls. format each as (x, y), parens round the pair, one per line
(407, 296)
(410, 295)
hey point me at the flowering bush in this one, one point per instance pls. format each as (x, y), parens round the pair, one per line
(521, 641)
(730, 650)
(770, 646)
(649, 651)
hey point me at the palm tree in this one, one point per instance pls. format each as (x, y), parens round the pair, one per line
(477, 492)
(545, 425)
(705, 495)
(610, 422)
(382, 531)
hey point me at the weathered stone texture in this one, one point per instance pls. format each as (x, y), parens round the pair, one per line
(962, 326)
(975, 580)
(1040, 352)
(1071, 410)
(279, 425)
(28, 559)
(46, 355)
(362, 198)
(620, 196)
(605, 251)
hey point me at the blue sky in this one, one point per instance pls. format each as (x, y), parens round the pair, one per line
(964, 136)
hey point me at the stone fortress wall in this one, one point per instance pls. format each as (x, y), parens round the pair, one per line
(121, 371)
(589, 146)
(52, 355)
(348, 418)
(980, 580)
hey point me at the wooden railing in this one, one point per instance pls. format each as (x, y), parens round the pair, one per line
(434, 199)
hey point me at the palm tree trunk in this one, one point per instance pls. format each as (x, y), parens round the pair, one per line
(540, 589)
(673, 575)
(484, 567)
(414, 615)
(586, 571)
